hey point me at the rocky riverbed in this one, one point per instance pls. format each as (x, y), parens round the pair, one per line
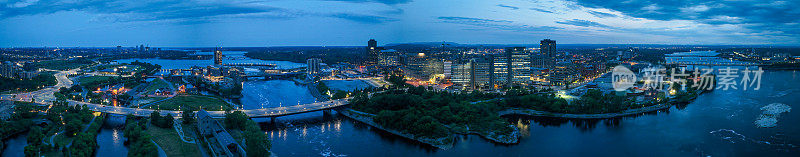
(770, 114)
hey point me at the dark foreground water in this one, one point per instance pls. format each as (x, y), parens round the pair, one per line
(15, 146)
(719, 123)
(110, 139)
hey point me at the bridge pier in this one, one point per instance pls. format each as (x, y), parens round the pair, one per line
(272, 120)
(326, 112)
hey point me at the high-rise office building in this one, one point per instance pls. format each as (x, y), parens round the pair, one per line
(421, 66)
(460, 73)
(500, 71)
(481, 73)
(313, 66)
(519, 66)
(547, 49)
(217, 57)
(372, 52)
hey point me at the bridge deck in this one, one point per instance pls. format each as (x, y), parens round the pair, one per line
(253, 113)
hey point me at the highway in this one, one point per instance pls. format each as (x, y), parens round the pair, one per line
(44, 96)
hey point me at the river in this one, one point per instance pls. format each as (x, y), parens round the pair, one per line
(719, 123)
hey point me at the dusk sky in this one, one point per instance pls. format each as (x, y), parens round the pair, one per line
(177, 23)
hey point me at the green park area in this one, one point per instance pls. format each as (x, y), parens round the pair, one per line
(195, 102)
(156, 84)
(94, 79)
(59, 64)
(169, 140)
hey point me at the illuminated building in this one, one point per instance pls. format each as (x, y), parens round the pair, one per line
(563, 73)
(519, 65)
(481, 73)
(217, 57)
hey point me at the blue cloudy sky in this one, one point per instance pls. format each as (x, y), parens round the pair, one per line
(185, 23)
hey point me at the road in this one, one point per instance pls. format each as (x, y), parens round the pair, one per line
(265, 112)
(44, 96)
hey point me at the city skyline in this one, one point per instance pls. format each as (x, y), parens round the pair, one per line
(34, 23)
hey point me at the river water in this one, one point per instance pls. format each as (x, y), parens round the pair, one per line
(719, 123)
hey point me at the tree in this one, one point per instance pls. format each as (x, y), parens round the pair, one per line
(155, 118)
(72, 127)
(236, 120)
(187, 115)
(167, 121)
(257, 142)
(31, 151)
(35, 136)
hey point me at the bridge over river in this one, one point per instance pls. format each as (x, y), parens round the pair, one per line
(253, 113)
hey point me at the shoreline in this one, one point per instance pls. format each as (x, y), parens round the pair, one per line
(512, 138)
(628, 112)
(362, 117)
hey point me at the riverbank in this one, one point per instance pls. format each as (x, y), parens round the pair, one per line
(531, 112)
(366, 118)
(512, 138)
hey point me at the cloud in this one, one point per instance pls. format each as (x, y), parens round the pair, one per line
(496, 24)
(388, 2)
(542, 10)
(583, 23)
(360, 18)
(135, 10)
(508, 6)
(601, 14)
(778, 17)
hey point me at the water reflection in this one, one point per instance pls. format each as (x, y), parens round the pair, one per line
(15, 146)
(110, 139)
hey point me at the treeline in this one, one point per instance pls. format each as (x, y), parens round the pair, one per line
(256, 143)
(139, 141)
(336, 94)
(163, 122)
(67, 118)
(592, 102)
(84, 144)
(299, 55)
(233, 91)
(35, 83)
(149, 69)
(433, 114)
(20, 121)
(58, 64)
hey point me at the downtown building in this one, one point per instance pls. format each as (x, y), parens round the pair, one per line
(481, 73)
(421, 66)
(519, 66)
(563, 74)
(373, 52)
(7, 69)
(217, 56)
(388, 58)
(460, 73)
(511, 67)
(314, 66)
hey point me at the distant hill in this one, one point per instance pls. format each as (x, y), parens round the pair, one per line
(422, 44)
